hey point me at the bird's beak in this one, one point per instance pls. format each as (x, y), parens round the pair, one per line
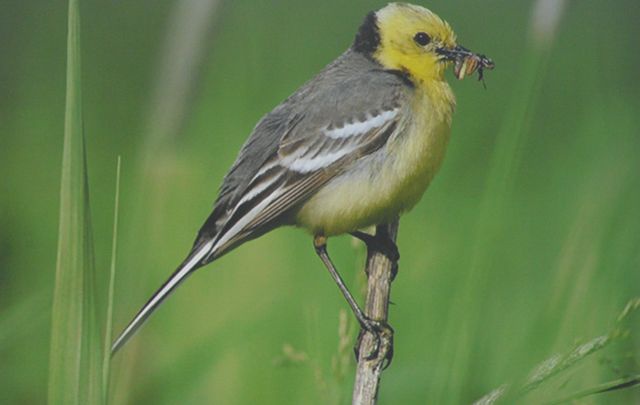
(465, 61)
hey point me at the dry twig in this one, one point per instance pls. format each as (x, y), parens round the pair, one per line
(380, 271)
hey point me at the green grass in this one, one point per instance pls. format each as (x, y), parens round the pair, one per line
(544, 374)
(75, 362)
(106, 357)
(524, 247)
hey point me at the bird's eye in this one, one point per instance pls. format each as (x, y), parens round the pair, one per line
(422, 38)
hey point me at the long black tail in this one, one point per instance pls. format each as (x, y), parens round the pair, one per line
(192, 262)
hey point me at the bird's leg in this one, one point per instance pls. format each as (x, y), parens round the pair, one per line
(376, 328)
(380, 242)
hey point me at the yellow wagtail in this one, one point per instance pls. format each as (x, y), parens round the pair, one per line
(355, 146)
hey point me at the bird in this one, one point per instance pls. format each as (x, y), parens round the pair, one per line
(355, 146)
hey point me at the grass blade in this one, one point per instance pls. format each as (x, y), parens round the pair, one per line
(106, 353)
(621, 383)
(556, 364)
(75, 356)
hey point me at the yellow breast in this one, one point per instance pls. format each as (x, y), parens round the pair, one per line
(381, 186)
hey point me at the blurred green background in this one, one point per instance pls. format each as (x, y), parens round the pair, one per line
(527, 243)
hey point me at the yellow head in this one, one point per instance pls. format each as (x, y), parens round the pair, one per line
(411, 39)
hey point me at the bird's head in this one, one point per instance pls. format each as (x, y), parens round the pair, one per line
(417, 42)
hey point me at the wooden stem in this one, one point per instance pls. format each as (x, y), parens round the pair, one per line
(380, 271)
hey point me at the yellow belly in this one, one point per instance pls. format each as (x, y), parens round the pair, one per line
(381, 186)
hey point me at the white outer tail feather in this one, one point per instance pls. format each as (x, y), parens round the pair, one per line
(178, 276)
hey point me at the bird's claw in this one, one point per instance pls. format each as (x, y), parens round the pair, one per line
(382, 335)
(381, 244)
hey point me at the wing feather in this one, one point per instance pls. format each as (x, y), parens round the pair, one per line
(332, 142)
(289, 187)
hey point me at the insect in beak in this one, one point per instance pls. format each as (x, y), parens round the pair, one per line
(466, 62)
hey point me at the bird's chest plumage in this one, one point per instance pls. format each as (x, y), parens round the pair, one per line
(380, 186)
(415, 154)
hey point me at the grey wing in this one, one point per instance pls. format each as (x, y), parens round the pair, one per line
(261, 145)
(305, 142)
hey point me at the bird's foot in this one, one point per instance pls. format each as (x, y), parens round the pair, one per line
(379, 243)
(382, 341)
